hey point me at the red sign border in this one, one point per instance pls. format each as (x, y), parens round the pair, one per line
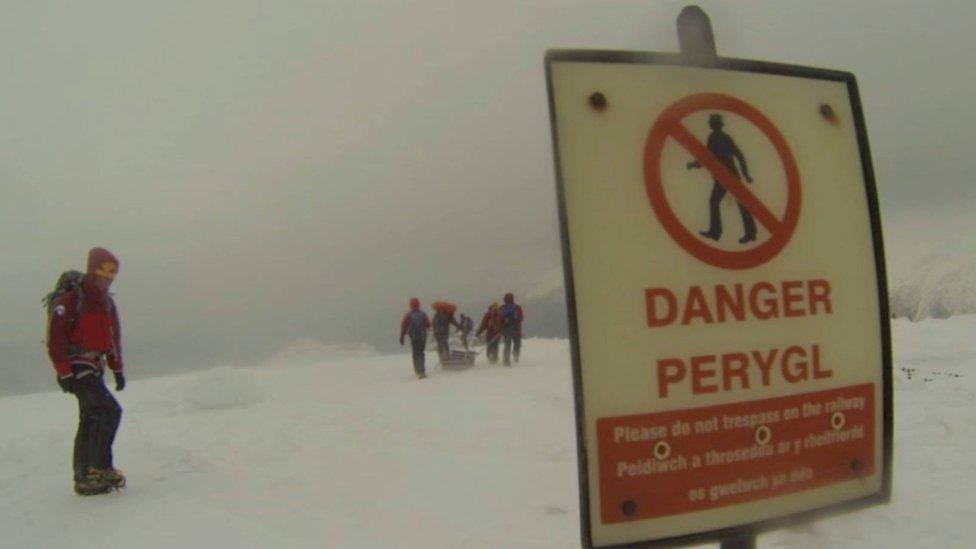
(654, 145)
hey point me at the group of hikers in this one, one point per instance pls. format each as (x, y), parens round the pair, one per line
(500, 323)
(84, 341)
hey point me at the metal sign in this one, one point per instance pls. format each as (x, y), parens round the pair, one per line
(726, 290)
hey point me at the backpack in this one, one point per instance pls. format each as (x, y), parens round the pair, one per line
(444, 307)
(418, 325)
(509, 314)
(67, 282)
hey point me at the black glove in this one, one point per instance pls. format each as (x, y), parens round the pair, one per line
(67, 383)
(401, 340)
(119, 381)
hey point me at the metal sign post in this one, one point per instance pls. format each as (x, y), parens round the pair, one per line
(695, 32)
(695, 37)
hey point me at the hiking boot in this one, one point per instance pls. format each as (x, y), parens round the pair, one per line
(91, 485)
(110, 476)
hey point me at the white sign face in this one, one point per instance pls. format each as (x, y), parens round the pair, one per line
(723, 248)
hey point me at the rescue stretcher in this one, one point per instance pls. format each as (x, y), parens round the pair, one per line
(458, 359)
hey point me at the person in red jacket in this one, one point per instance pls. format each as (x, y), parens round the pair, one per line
(83, 337)
(415, 324)
(491, 324)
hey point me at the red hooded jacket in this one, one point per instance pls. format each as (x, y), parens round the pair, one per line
(491, 323)
(405, 323)
(81, 333)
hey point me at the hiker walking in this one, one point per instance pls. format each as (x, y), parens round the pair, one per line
(467, 326)
(415, 324)
(725, 150)
(511, 316)
(491, 327)
(442, 322)
(84, 337)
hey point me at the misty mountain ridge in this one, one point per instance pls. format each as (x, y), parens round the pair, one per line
(938, 285)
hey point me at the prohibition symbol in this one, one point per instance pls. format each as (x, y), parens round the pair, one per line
(670, 125)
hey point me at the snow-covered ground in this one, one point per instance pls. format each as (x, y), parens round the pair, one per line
(348, 449)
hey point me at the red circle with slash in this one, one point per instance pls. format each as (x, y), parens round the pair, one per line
(669, 125)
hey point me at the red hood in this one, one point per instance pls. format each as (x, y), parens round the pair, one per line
(97, 256)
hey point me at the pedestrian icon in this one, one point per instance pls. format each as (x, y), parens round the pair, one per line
(724, 148)
(725, 163)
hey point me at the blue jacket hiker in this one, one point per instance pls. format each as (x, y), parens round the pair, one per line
(415, 324)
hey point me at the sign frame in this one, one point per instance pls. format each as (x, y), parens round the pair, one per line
(747, 529)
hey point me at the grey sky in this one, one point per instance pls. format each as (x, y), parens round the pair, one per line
(271, 171)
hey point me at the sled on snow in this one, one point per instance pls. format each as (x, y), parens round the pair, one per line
(458, 360)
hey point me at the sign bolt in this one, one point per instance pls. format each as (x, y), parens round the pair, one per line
(828, 114)
(763, 435)
(598, 101)
(629, 508)
(837, 421)
(662, 450)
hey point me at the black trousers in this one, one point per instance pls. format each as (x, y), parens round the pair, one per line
(418, 346)
(98, 420)
(443, 347)
(715, 216)
(492, 349)
(513, 338)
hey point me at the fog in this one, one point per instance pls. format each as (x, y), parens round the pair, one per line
(271, 172)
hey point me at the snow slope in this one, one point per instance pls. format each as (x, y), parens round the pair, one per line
(351, 450)
(938, 285)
